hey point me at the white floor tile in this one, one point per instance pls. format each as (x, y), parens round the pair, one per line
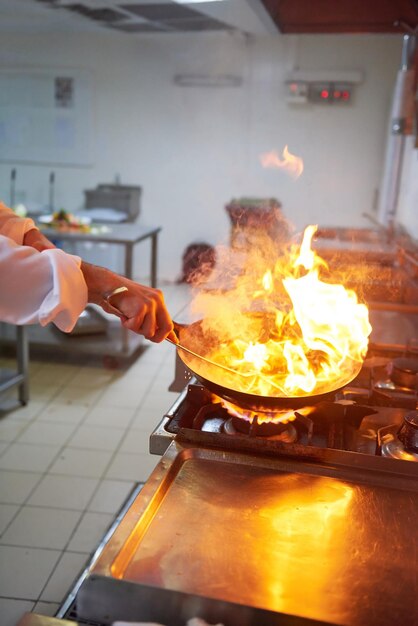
(47, 433)
(3, 446)
(66, 573)
(24, 571)
(58, 412)
(93, 378)
(15, 487)
(10, 428)
(78, 462)
(147, 419)
(109, 416)
(154, 355)
(110, 496)
(144, 369)
(125, 398)
(28, 412)
(43, 393)
(135, 440)
(158, 398)
(46, 608)
(135, 467)
(90, 532)
(97, 437)
(64, 492)
(7, 513)
(41, 527)
(126, 385)
(56, 374)
(157, 403)
(28, 457)
(164, 378)
(138, 371)
(78, 395)
(12, 610)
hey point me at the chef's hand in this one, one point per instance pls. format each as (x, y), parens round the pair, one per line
(35, 239)
(142, 309)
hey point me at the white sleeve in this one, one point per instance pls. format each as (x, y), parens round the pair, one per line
(13, 226)
(40, 287)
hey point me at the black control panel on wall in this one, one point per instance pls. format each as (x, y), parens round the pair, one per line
(321, 92)
(331, 93)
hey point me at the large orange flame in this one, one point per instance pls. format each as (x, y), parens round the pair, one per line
(284, 330)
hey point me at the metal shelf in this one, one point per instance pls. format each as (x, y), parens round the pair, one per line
(18, 336)
(114, 347)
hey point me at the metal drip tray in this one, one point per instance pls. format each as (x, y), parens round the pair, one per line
(318, 541)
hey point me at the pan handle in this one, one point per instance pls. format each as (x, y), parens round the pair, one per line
(110, 307)
(177, 328)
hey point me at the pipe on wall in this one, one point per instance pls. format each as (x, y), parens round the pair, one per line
(401, 124)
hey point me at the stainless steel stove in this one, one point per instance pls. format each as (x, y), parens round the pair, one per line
(375, 415)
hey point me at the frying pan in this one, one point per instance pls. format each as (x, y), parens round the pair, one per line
(223, 381)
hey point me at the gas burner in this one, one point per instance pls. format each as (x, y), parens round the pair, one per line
(400, 443)
(359, 420)
(278, 431)
(262, 423)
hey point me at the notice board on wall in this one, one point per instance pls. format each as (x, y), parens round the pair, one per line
(46, 116)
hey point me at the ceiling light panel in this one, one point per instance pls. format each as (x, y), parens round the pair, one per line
(156, 15)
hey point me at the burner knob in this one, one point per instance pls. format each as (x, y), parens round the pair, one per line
(408, 432)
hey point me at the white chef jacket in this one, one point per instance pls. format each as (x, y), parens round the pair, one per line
(37, 287)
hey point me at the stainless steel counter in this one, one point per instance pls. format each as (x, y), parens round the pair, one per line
(319, 541)
(126, 235)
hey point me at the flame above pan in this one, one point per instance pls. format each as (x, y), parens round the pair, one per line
(284, 330)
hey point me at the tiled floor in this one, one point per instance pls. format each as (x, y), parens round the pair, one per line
(68, 461)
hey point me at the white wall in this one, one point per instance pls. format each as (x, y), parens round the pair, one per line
(193, 149)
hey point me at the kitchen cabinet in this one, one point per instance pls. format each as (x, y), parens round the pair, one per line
(344, 16)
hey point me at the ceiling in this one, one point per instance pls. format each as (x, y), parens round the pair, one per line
(343, 16)
(134, 17)
(138, 17)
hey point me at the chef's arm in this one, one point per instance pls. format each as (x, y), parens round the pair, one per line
(35, 239)
(142, 309)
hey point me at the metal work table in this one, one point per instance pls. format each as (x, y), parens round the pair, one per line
(126, 235)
